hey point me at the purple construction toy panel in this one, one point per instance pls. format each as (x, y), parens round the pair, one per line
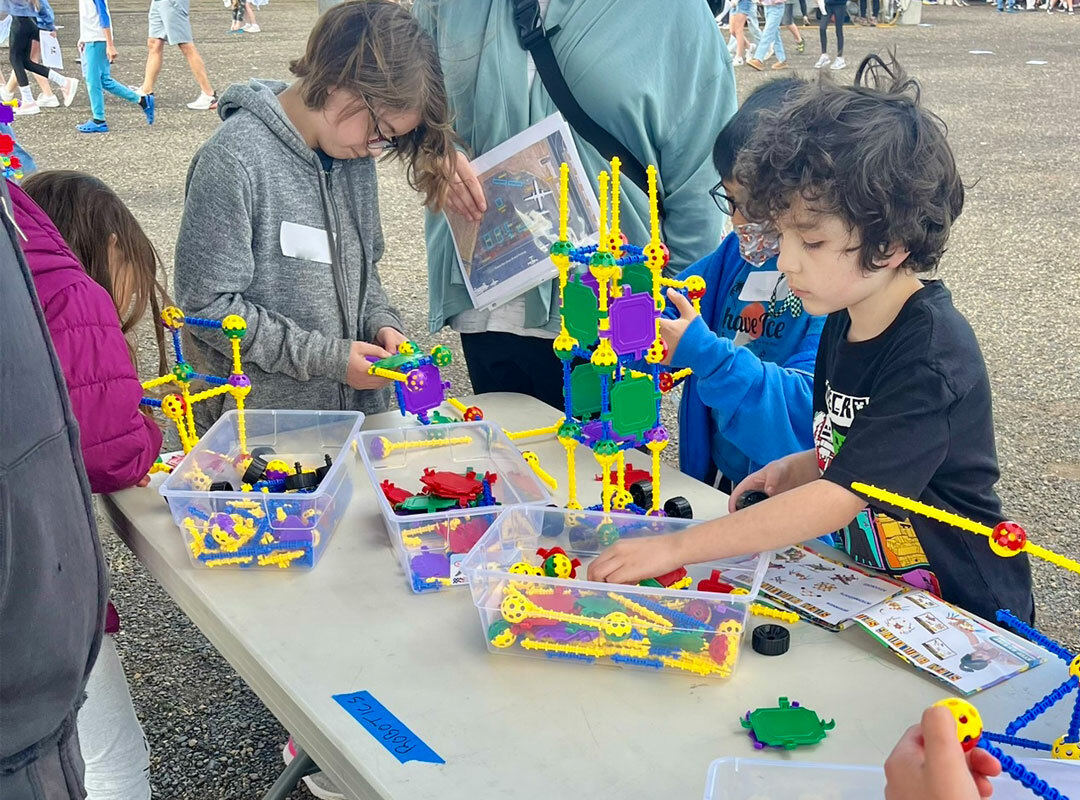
(428, 395)
(633, 324)
(593, 432)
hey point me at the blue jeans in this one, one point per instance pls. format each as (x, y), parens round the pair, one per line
(96, 70)
(1001, 4)
(771, 34)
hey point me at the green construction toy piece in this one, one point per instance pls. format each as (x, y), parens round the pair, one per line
(652, 583)
(581, 312)
(597, 606)
(585, 385)
(638, 277)
(677, 640)
(425, 504)
(441, 419)
(607, 534)
(788, 725)
(397, 362)
(633, 407)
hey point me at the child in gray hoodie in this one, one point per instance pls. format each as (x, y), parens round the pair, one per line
(281, 218)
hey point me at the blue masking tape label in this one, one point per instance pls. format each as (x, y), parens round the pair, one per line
(388, 730)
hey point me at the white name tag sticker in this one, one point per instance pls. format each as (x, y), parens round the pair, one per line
(303, 241)
(762, 285)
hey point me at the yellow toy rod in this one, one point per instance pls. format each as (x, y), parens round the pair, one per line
(526, 434)
(564, 199)
(389, 374)
(1006, 539)
(534, 461)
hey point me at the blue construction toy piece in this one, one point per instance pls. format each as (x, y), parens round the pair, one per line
(1020, 773)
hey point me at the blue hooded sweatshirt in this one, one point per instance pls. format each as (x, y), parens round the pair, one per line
(750, 398)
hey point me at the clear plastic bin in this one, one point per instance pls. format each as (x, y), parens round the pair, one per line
(432, 545)
(526, 608)
(758, 779)
(255, 529)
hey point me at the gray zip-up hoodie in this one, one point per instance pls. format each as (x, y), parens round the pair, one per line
(256, 191)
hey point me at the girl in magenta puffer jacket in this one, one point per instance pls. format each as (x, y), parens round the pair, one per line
(93, 293)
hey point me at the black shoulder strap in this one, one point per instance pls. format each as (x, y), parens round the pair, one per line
(534, 38)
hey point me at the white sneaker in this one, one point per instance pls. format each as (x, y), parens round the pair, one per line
(48, 101)
(821, 62)
(252, 28)
(318, 783)
(6, 96)
(737, 62)
(839, 63)
(71, 85)
(27, 109)
(204, 102)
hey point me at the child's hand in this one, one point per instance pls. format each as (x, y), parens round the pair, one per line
(111, 52)
(466, 195)
(361, 354)
(929, 764)
(143, 481)
(633, 560)
(389, 338)
(777, 476)
(672, 330)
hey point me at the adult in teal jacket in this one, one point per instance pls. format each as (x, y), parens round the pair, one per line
(657, 76)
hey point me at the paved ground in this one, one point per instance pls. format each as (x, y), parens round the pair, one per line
(1011, 267)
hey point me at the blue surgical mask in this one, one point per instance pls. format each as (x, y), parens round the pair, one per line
(758, 242)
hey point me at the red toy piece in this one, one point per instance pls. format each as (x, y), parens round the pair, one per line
(699, 610)
(453, 486)
(563, 603)
(631, 476)
(393, 494)
(1009, 536)
(667, 383)
(473, 414)
(669, 578)
(718, 648)
(462, 538)
(714, 584)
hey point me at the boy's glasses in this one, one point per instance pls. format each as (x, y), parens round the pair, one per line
(723, 200)
(384, 141)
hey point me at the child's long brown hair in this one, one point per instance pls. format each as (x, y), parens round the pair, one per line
(377, 51)
(88, 214)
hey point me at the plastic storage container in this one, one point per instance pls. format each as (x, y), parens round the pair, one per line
(527, 580)
(256, 529)
(758, 779)
(431, 545)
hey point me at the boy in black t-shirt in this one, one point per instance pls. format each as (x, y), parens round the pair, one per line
(864, 189)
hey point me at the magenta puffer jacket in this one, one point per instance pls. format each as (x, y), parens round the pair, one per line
(119, 442)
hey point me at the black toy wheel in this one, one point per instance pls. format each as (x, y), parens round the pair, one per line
(749, 498)
(679, 507)
(641, 492)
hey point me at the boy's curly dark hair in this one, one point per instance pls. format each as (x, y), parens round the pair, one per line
(869, 154)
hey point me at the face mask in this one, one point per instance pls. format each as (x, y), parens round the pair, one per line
(757, 242)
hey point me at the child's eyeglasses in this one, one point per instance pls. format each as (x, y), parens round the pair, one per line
(723, 200)
(381, 140)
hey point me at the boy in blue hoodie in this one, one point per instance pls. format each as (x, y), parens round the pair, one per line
(752, 349)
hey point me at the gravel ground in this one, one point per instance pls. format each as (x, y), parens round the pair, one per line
(1011, 268)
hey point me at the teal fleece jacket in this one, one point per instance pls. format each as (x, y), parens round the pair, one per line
(654, 73)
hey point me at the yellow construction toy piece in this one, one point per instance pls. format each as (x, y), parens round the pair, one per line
(410, 537)
(570, 445)
(389, 447)
(965, 524)
(530, 432)
(758, 610)
(534, 462)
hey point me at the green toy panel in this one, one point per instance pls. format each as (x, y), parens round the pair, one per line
(581, 312)
(787, 725)
(633, 406)
(638, 277)
(585, 384)
(395, 362)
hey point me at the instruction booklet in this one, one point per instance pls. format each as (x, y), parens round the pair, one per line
(824, 592)
(506, 253)
(954, 646)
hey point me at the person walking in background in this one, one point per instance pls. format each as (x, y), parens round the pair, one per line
(46, 97)
(836, 9)
(170, 22)
(24, 31)
(98, 52)
(770, 37)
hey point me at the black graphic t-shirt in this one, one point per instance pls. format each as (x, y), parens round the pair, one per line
(909, 411)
